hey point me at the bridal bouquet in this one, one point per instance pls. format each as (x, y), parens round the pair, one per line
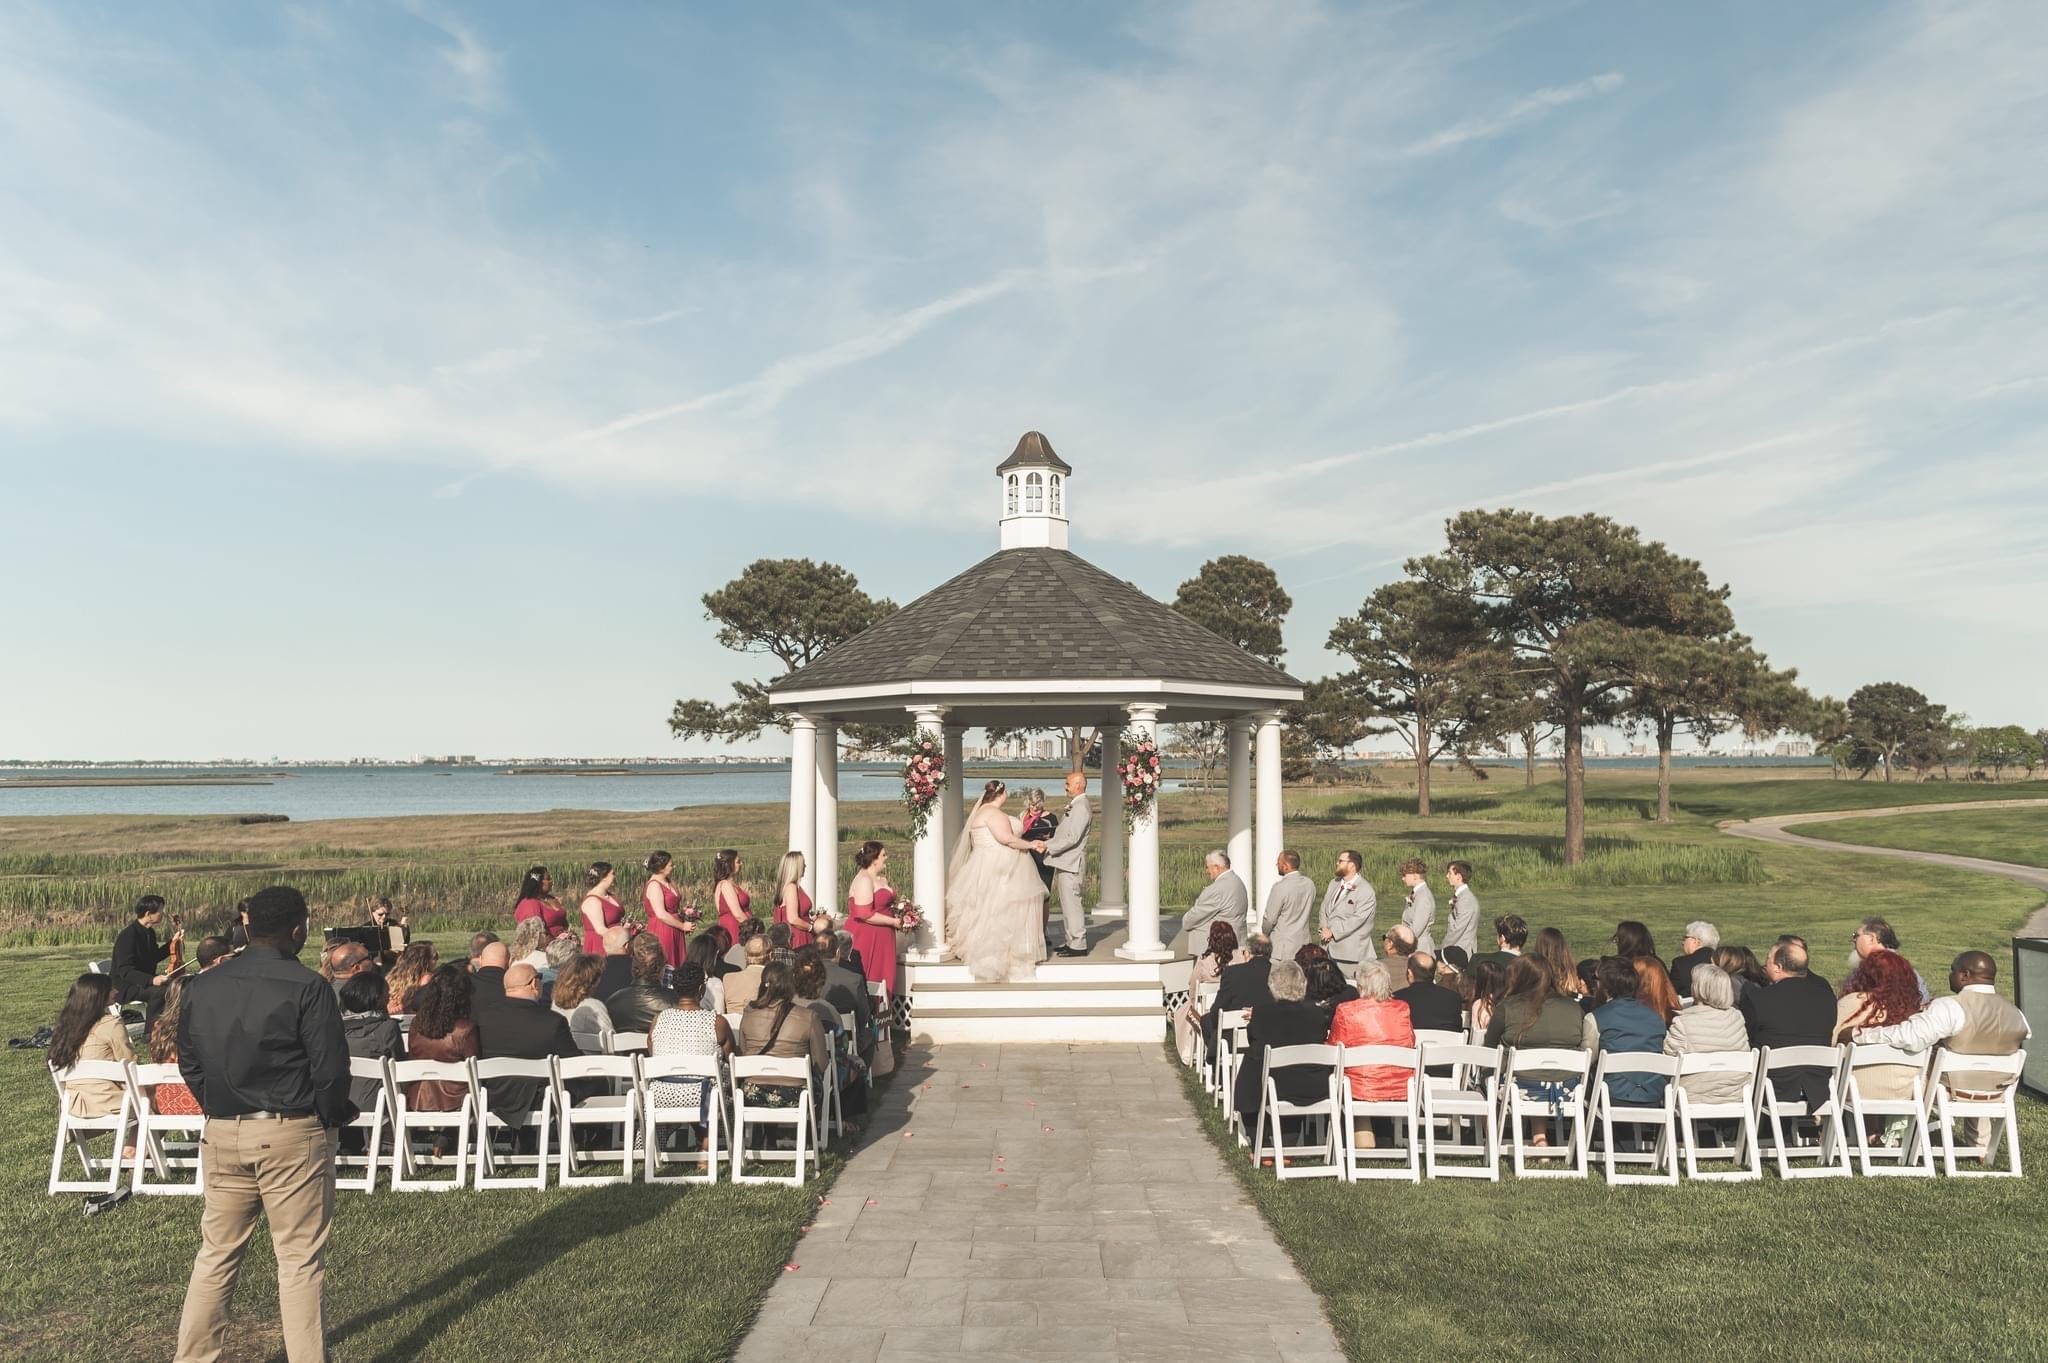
(1138, 764)
(910, 916)
(924, 776)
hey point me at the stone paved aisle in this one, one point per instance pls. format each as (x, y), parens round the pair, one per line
(1039, 1202)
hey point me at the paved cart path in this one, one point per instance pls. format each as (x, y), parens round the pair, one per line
(1774, 829)
(1045, 1202)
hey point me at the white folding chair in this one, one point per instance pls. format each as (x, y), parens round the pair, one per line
(408, 1124)
(1999, 1115)
(1566, 1114)
(1662, 1158)
(1828, 1157)
(1745, 1159)
(152, 1126)
(1478, 1103)
(629, 1043)
(617, 1107)
(883, 1008)
(1915, 1158)
(492, 1123)
(78, 1132)
(1229, 1027)
(1425, 1038)
(1320, 1114)
(656, 1069)
(371, 1121)
(799, 1117)
(1404, 1158)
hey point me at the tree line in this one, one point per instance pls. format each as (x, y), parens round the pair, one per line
(1522, 630)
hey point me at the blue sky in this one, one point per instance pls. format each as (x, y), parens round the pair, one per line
(388, 378)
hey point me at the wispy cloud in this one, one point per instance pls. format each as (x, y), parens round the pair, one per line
(472, 66)
(1530, 107)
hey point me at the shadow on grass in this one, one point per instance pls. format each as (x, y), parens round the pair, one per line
(477, 1282)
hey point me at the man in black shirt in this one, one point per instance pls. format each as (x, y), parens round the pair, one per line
(1796, 1009)
(137, 954)
(1241, 986)
(1431, 1007)
(260, 1045)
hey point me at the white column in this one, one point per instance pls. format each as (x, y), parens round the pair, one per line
(1238, 823)
(1144, 943)
(823, 880)
(1110, 867)
(928, 864)
(803, 786)
(956, 777)
(1268, 795)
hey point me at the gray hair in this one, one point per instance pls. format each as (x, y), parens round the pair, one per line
(1287, 982)
(1711, 987)
(563, 950)
(1706, 934)
(1373, 981)
(1219, 857)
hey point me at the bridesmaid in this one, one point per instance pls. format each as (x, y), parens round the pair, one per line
(663, 903)
(792, 905)
(869, 920)
(599, 909)
(537, 900)
(730, 897)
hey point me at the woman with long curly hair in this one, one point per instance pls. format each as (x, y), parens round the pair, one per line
(174, 1097)
(415, 964)
(442, 1029)
(1881, 990)
(1187, 1019)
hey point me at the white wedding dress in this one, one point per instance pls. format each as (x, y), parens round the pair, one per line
(995, 907)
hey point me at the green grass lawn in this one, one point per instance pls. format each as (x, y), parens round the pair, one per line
(1820, 1271)
(631, 1273)
(2018, 835)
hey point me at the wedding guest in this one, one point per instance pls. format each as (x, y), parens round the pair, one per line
(847, 989)
(520, 1027)
(1554, 953)
(1972, 1020)
(743, 986)
(1327, 987)
(537, 900)
(487, 965)
(1242, 985)
(589, 1021)
(1653, 988)
(634, 1008)
(728, 895)
(341, 960)
(442, 1029)
(870, 916)
(1431, 1007)
(687, 1027)
(1796, 1009)
(774, 1025)
(415, 964)
(560, 952)
(529, 946)
(707, 951)
(1288, 1020)
(667, 921)
(370, 1031)
(792, 902)
(1485, 984)
(1533, 1016)
(1628, 1025)
(212, 951)
(779, 948)
(1632, 939)
(1709, 1023)
(1187, 1019)
(1874, 934)
(736, 954)
(1743, 969)
(599, 909)
(618, 962)
(1374, 1018)
(1882, 991)
(88, 1029)
(1696, 947)
(1462, 929)
(175, 1097)
(1510, 935)
(721, 965)
(807, 972)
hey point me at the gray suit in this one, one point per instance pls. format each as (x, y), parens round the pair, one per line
(1226, 898)
(1287, 911)
(1066, 852)
(1348, 912)
(1463, 929)
(1419, 916)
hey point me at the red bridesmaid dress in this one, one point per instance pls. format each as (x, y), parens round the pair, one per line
(553, 917)
(729, 920)
(614, 914)
(673, 940)
(876, 942)
(800, 926)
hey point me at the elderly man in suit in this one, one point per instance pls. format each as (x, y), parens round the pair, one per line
(1349, 907)
(1066, 855)
(1288, 905)
(1224, 897)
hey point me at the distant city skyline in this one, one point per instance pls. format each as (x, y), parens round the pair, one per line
(395, 378)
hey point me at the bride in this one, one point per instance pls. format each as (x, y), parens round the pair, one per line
(995, 902)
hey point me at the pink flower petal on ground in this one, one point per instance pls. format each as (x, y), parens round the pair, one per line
(789, 1268)
(873, 1203)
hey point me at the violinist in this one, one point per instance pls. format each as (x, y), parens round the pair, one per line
(139, 957)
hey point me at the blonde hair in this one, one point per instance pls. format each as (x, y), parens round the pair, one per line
(792, 869)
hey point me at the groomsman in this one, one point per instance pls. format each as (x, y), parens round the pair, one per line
(1224, 897)
(1463, 929)
(1418, 914)
(1066, 856)
(1349, 907)
(1287, 907)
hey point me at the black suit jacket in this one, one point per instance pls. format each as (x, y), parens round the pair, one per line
(520, 1029)
(1796, 1011)
(1433, 1008)
(1281, 1024)
(487, 984)
(137, 955)
(1239, 986)
(1681, 969)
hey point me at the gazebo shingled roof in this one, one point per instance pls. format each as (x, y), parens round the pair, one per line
(1041, 613)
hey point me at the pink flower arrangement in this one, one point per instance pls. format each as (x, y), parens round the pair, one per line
(911, 917)
(924, 777)
(1138, 765)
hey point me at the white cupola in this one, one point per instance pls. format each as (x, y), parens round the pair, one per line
(1034, 492)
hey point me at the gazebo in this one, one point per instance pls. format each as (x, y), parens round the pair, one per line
(1036, 636)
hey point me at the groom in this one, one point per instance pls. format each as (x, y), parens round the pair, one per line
(1066, 855)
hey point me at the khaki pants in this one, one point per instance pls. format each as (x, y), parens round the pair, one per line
(284, 1170)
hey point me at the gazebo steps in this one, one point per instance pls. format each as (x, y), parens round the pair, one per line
(1081, 1000)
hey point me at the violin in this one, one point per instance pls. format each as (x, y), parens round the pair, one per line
(176, 963)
